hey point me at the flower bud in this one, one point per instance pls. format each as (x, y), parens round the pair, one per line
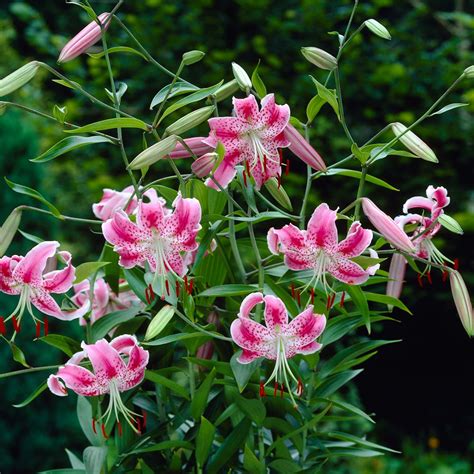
(462, 301)
(204, 165)
(159, 322)
(415, 144)
(191, 120)
(278, 193)
(319, 58)
(469, 72)
(302, 149)
(387, 226)
(196, 144)
(18, 78)
(206, 350)
(84, 39)
(192, 57)
(377, 29)
(8, 230)
(226, 90)
(242, 78)
(154, 153)
(396, 275)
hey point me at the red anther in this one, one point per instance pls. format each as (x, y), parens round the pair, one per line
(265, 163)
(279, 180)
(151, 292)
(139, 428)
(262, 389)
(147, 296)
(104, 433)
(167, 287)
(16, 326)
(420, 280)
(312, 295)
(244, 175)
(119, 427)
(445, 275)
(275, 389)
(38, 329)
(456, 264)
(186, 282)
(93, 426)
(3, 329)
(280, 153)
(287, 171)
(247, 167)
(428, 276)
(46, 325)
(190, 287)
(282, 390)
(144, 419)
(292, 287)
(162, 297)
(333, 299)
(298, 297)
(299, 390)
(177, 289)
(343, 296)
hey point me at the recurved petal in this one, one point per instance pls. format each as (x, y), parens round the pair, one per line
(247, 356)
(184, 223)
(418, 202)
(322, 231)
(357, 240)
(246, 109)
(105, 360)
(60, 281)
(311, 348)
(151, 214)
(121, 231)
(56, 386)
(275, 313)
(124, 344)
(249, 303)
(439, 195)
(273, 117)
(80, 380)
(30, 269)
(45, 303)
(347, 271)
(225, 172)
(253, 337)
(306, 327)
(224, 129)
(7, 282)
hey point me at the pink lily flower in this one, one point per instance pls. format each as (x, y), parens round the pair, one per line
(113, 201)
(252, 137)
(118, 366)
(160, 237)
(25, 276)
(317, 248)
(105, 301)
(278, 340)
(87, 37)
(197, 146)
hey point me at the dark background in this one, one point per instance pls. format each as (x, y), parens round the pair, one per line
(420, 388)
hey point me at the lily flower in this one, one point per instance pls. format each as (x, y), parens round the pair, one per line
(278, 340)
(317, 248)
(195, 144)
(118, 366)
(161, 237)
(25, 276)
(105, 301)
(252, 137)
(113, 201)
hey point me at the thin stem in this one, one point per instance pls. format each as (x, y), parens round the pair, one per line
(61, 217)
(27, 371)
(233, 240)
(341, 105)
(273, 206)
(200, 329)
(360, 192)
(308, 186)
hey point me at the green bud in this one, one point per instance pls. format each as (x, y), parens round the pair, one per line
(154, 153)
(462, 301)
(159, 322)
(8, 230)
(415, 144)
(450, 223)
(191, 120)
(18, 78)
(242, 78)
(377, 29)
(192, 57)
(278, 193)
(319, 58)
(469, 72)
(226, 90)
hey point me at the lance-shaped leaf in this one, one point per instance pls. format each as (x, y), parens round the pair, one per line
(122, 122)
(8, 230)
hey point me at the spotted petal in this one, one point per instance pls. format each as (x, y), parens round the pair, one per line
(322, 231)
(274, 118)
(8, 284)
(276, 315)
(151, 214)
(249, 303)
(60, 281)
(347, 271)
(80, 380)
(357, 240)
(253, 337)
(246, 109)
(45, 303)
(30, 268)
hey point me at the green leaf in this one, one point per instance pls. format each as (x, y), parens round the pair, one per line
(122, 122)
(313, 107)
(112, 270)
(448, 107)
(85, 270)
(195, 97)
(20, 189)
(66, 145)
(204, 440)
(251, 462)
(242, 372)
(94, 458)
(388, 300)
(328, 96)
(179, 88)
(64, 343)
(64, 471)
(361, 155)
(229, 290)
(76, 463)
(348, 407)
(230, 445)
(262, 216)
(59, 113)
(178, 337)
(159, 322)
(359, 441)
(118, 49)
(253, 408)
(135, 278)
(450, 223)
(335, 382)
(257, 82)
(169, 444)
(360, 300)
(105, 324)
(285, 466)
(84, 415)
(357, 174)
(199, 402)
(18, 355)
(34, 394)
(165, 382)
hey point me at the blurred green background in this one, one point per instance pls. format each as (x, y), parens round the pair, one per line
(420, 389)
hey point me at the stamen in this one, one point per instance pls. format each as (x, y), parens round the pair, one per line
(137, 421)
(93, 426)
(3, 329)
(190, 288)
(167, 287)
(428, 276)
(265, 164)
(152, 293)
(445, 275)
(275, 389)
(279, 180)
(16, 325)
(287, 170)
(247, 167)
(38, 329)
(104, 433)
(46, 325)
(280, 154)
(456, 264)
(186, 283)
(298, 297)
(262, 390)
(177, 288)
(299, 390)
(343, 296)
(144, 419)
(244, 175)
(312, 295)
(119, 426)
(420, 280)
(147, 296)
(282, 390)
(292, 286)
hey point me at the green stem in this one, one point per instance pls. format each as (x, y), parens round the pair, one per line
(360, 192)
(308, 186)
(273, 206)
(62, 217)
(233, 240)
(27, 371)
(199, 328)
(341, 105)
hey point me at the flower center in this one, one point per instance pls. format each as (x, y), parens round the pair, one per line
(260, 154)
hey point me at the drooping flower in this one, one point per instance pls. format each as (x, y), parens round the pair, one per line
(105, 301)
(25, 276)
(113, 201)
(252, 137)
(278, 340)
(86, 38)
(317, 248)
(161, 237)
(118, 366)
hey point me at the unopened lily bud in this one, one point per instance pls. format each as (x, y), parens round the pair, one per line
(302, 149)
(396, 275)
(415, 144)
(84, 39)
(377, 29)
(226, 90)
(18, 78)
(192, 57)
(203, 166)
(189, 121)
(319, 58)
(469, 72)
(387, 226)
(8, 230)
(195, 144)
(278, 193)
(206, 350)
(242, 78)
(154, 153)
(462, 301)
